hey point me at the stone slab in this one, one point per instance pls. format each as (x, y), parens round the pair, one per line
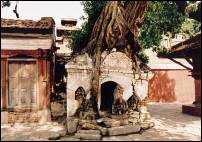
(93, 132)
(124, 116)
(83, 136)
(72, 125)
(104, 131)
(110, 123)
(147, 125)
(89, 126)
(124, 122)
(122, 130)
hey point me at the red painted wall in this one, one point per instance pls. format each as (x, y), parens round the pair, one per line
(3, 83)
(171, 86)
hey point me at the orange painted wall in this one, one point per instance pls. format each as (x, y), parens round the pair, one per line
(171, 86)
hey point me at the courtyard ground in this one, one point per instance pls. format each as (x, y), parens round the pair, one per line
(170, 125)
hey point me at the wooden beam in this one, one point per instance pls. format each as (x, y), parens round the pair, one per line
(33, 53)
(187, 59)
(192, 46)
(3, 85)
(179, 63)
(192, 43)
(15, 35)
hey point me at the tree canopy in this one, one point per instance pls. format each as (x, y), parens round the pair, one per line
(92, 9)
(161, 17)
(5, 4)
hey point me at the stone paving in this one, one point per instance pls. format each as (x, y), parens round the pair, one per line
(31, 131)
(170, 125)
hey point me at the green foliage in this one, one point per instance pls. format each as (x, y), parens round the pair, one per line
(190, 27)
(5, 4)
(80, 38)
(192, 6)
(92, 9)
(142, 56)
(161, 17)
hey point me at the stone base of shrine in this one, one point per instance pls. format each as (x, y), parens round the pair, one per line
(192, 109)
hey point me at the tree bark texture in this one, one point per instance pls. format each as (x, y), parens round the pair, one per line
(118, 26)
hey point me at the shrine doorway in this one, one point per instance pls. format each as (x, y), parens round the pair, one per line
(107, 95)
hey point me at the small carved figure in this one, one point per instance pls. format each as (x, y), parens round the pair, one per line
(133, 102)
(87, 107)
(80, 93)
(80, 96)
(119, 107)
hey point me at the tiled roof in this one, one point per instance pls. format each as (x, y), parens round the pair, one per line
(44, 23)
(43, 26)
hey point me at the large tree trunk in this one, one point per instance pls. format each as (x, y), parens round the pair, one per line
(117, 27)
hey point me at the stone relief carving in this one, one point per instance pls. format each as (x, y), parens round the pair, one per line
(116, 60)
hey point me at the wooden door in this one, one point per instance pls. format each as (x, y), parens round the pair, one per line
(22, 83)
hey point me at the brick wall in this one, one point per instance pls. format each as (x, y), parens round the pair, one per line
(21, 117)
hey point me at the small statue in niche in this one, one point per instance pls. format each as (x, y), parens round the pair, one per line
(133, 101)
(91, 107)
(119, 107)
(118, 92)
(87, 107)
(80, 96)
(80, 93)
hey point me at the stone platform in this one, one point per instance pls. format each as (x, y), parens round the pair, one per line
(109, 125)
(192, 109)
(170, 125)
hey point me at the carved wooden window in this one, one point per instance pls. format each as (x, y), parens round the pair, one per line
(22, 89)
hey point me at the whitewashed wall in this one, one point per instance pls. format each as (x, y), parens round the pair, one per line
(79, 74)
(26, 43)
(116, 67)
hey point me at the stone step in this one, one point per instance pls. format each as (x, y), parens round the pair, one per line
(84, 136)
(110, 124)
(133, 120)
(135, 115)
(104, 131)
(89, 126)
(123, 116)
(124, 122)
(122, 130)
(68, 139)
(93, 132)
(147, 125)
(145, 116)
(72, 125)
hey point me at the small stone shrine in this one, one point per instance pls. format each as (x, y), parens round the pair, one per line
(121, 101)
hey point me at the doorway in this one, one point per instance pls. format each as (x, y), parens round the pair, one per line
(107, 95)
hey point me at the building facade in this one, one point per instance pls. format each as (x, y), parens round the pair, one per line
(27, 50)
(172, 81)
